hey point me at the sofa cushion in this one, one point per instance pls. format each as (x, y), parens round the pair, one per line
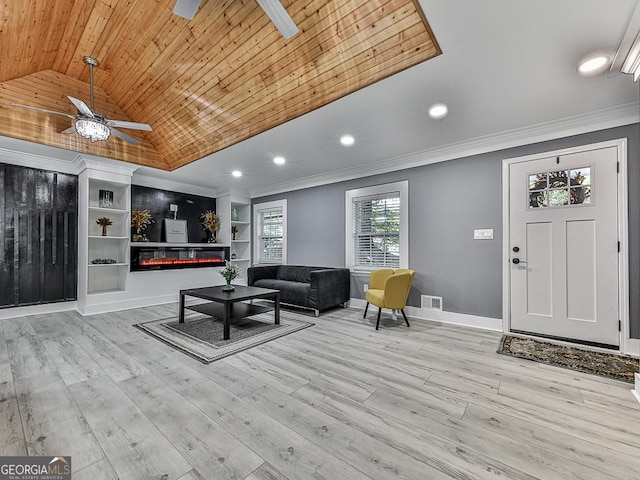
(295, 273)
(296, 293)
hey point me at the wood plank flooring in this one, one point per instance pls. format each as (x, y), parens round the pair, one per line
(335, 401)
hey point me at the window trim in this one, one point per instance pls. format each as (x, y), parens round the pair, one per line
(257, 208)
(350, 195)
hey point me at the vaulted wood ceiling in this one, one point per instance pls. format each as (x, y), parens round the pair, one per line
(202, 85)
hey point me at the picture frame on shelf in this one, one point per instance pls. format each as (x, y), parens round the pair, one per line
(105, 198)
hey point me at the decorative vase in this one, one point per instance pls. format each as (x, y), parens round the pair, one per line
(104, 230)
(212, 237)
(234, 236)
(234, 214)
(228, 287)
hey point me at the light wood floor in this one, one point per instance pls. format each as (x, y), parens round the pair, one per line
(335, 401)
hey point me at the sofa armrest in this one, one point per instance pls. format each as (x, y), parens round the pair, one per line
(258, 273)
(329, 287)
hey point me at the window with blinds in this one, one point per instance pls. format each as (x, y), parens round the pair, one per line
(376, 231)
(377, 227)
(270, 234)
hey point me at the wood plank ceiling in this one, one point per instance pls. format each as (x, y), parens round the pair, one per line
(202, 85)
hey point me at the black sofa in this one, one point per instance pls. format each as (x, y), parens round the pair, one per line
(318, 288)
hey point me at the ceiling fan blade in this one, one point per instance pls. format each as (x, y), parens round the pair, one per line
(82, 107)
(132, 125)
(279, 16)
(124, 136)
(42, 110)
(71, 129)
(186, 8)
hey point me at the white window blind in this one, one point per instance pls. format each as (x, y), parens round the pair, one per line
(270, 230)
(376, 230)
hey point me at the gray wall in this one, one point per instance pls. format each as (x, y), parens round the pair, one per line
(447, 201)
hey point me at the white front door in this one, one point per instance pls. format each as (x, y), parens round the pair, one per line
(563, 245)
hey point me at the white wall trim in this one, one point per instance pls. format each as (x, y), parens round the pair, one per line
(163, 184)
(32, 160)
(43, 309)
(451, 318)
(610, 117)
(118, 305)
(636, 391)
(627, 345)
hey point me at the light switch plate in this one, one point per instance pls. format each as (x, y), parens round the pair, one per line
(483, 234)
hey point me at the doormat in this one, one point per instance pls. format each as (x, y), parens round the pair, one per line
(587, 361)
(200, 336)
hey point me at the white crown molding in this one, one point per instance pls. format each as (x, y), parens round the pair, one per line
(233, 192)
(575, 125)
(84, 162)
(33, 160)
(171, 185)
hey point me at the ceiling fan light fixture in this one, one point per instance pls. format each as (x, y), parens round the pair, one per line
(92, 129)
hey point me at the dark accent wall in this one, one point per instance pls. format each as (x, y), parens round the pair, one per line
(38, 236)
(190, 207)
(447, 201)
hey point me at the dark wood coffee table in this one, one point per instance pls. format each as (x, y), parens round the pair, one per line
(229, 305)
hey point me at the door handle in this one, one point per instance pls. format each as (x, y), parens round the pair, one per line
(517, 261)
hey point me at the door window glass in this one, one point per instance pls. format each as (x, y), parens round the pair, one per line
(559, 188)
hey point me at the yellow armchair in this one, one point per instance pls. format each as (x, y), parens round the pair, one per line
(389, 289)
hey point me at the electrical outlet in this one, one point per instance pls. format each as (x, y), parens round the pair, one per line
(366, 287)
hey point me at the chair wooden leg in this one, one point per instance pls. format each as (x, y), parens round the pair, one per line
(405, 317)
(378, 322)
(365, 310)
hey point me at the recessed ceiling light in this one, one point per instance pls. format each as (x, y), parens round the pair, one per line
(279, 160)
(593, 64)
(347, 140)
(438, 111)
(236, 173)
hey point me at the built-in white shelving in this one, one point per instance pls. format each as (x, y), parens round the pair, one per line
(96, 277)
(235, 211)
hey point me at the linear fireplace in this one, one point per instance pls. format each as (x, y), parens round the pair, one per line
(164, 257)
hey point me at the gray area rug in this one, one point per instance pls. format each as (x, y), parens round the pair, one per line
(200, 336)
(605, 364)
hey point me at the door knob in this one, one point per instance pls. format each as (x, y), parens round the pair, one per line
(517, 261)
(516, 249)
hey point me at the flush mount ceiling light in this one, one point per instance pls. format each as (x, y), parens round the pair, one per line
(279, 160)
(236, 173)
(594, 64)
(438, 111)
(347, 140)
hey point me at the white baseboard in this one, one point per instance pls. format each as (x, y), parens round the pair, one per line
(119, 305)
(636, 391)
(631, 346)
(13, 312)
(474, 321)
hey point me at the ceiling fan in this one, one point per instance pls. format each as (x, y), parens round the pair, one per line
(91, 124)
(273, 8)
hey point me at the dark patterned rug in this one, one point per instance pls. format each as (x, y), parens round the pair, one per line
(609, 365)
(201, 336)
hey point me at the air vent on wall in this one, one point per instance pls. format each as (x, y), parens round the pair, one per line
(431, 302)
